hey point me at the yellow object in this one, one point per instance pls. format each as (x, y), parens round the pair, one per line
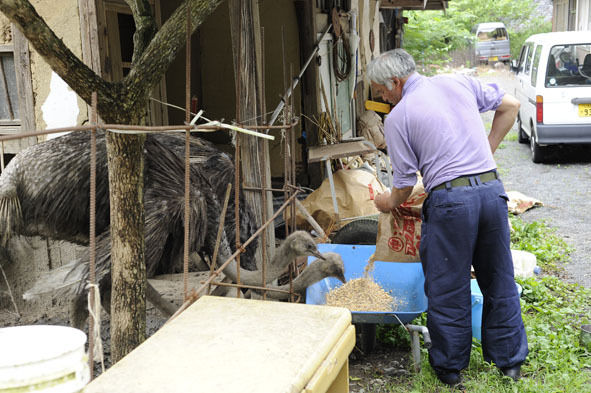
(236, 345)
(584, 110)
(377, 106)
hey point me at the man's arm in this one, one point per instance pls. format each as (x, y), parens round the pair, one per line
(503, 121)
(389, 200)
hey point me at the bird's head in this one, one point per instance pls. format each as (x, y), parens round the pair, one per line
(333, 266)
(302, 243)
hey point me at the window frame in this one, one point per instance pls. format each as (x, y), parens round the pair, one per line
(24, 86)
(536, 64)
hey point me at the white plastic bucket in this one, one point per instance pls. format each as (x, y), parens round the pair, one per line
(524, 263)
(42, 358)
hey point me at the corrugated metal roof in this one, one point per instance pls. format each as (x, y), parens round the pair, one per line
(414, 4)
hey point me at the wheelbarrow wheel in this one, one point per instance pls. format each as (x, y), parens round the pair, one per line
(361, 231)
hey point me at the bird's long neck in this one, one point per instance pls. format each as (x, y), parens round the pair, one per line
(313, 273)
(282, 258)
(247, 277)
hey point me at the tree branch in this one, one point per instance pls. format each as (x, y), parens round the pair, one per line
(59, 57)
(145, 26)
(162, 50)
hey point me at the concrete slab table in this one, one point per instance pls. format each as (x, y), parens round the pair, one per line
(237, 345)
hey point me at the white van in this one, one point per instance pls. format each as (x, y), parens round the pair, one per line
(492, 42)
(554, 89)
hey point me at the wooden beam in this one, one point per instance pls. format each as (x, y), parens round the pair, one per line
(7, 48)
(246, 47)
(414, 4)
(89, 34)
(22, 67)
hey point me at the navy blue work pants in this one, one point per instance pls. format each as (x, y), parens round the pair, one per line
(465, 226)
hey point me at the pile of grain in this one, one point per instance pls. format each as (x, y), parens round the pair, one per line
(360, 294)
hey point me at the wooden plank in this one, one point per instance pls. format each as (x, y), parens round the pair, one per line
(113, 44)
(305, 12)
(339, 150)
(103, 51)
(7, 48)
(22, 66)
(414, 4)
(245, 36)
(15, 123)
(89, 34)
(162, 85)
(89, 37)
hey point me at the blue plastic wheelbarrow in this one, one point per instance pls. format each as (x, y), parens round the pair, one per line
(403, 280)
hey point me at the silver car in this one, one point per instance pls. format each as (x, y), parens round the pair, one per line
(492, 42)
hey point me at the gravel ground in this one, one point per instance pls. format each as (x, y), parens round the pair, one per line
(562, 184)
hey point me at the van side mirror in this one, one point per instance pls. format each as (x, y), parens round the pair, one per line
(514, 66)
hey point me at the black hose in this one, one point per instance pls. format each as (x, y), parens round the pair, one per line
(341, 66)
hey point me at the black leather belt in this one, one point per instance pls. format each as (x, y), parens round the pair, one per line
(464, 181)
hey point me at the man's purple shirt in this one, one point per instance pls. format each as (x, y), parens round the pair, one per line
(436, 129)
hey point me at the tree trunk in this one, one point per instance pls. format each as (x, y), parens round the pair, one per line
(246, 46)
(128, 270)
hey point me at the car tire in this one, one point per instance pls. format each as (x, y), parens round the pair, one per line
(521, 135)
(361, 231)
(537, 151)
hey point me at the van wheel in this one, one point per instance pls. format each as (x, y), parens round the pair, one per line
(361, 231)
(537, 151)
(521, 135)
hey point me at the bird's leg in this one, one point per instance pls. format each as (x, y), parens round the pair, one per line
(78, 311)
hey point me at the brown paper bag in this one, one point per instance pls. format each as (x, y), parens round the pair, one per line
(399, 238)
(354, 189)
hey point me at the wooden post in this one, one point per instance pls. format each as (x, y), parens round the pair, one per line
(305, 11)
(247, 53)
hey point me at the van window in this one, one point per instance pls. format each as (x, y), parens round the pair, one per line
(534, 71)
(522, 57)
(527, 68)
(498, 34)
(569, 65)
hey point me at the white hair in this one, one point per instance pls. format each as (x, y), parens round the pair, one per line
(396, 63)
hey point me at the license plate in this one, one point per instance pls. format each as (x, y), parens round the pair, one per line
(495, 58)
(584, 110)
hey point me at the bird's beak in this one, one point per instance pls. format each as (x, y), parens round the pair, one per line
(318, 255)
(341, 277)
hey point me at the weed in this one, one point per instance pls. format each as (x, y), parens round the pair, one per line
(510, 137)
(550, 250)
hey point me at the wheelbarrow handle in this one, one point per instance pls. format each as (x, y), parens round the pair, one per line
(424, 331)
(427, 338)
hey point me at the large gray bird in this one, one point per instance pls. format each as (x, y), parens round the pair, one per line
(44, 190)
(297, 244)
(330, 265)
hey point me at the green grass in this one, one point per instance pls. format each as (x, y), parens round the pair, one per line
(538, 238)
(552, 311)
(510, 137)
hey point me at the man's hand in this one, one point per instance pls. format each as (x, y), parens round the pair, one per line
(384, 202)
(390, 200)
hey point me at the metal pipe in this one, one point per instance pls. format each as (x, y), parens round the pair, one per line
(295, 82)
(187, 151)
(127, 127)
(423, 330)
(92, 234)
